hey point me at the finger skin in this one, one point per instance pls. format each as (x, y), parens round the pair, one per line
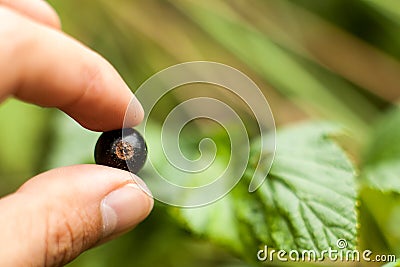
(56, 215)
(46, 67)
(37, 10)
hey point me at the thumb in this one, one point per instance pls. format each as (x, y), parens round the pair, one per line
(57, 215)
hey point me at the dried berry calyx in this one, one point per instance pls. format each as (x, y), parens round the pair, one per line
(123, 149)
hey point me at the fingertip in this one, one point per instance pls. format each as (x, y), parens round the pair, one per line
(102, 99)
(51, 17)
(104, 102)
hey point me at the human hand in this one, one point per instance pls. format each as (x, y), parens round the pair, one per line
(58, 214)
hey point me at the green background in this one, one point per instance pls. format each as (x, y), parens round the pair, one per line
(335, 59)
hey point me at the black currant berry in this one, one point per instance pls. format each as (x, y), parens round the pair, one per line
(120, 149)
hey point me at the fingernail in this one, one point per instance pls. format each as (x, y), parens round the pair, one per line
(124, 208)
(140, 107)
(134, 114)
(142, 185)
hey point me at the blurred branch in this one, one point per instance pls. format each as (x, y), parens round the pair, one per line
(179, 40)
(271, 62)
(318, 40)
(390, 8)
(136, 16)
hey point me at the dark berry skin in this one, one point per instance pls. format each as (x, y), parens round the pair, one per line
(120, 149)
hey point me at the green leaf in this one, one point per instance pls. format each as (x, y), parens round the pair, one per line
(381, 167)
(216, 222)
(310, 191)
(308, 201)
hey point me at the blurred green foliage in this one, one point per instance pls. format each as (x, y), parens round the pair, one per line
(334, 59)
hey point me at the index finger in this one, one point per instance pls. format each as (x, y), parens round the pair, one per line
(46, 67)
